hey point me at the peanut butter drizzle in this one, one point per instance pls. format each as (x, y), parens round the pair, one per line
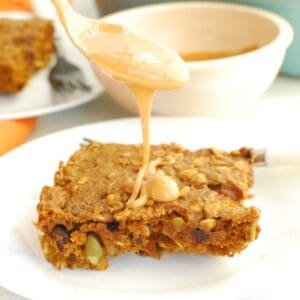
(144, 99)
(154, 185)
(145, 67)
(149, 182)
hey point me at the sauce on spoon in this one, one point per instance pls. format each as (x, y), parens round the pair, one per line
(145, 67)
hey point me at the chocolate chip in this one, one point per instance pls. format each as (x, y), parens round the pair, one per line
(112, 226)
(138, 240)
(30, 57)
(248, 153)
(214, 186)
(60, 245)
(199, 235)
(61, 235)
(61, 232)
(72, 258)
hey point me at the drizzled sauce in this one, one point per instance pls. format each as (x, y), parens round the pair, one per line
(202, 55)
(145, 67)
(149, 183)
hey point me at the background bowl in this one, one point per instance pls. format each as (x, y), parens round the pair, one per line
(289, 9)
(222, 87)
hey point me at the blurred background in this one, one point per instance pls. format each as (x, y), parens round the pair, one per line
(290, 9)
(246, 86)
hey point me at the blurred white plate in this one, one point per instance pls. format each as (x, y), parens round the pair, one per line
(267, 269)
(37, 97)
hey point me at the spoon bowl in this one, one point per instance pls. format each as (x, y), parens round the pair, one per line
(122, 54)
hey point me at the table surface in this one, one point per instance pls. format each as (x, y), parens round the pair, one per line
(281, 102)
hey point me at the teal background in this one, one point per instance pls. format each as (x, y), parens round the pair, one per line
(289, 9)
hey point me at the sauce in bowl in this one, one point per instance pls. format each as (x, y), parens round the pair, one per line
(209, 55)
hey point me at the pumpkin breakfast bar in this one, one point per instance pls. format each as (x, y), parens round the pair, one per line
(84, 219)
(25, 46)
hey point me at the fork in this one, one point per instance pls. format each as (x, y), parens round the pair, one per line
(66, 77)
(263, 157)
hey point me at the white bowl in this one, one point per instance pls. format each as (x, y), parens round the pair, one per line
(220, 87)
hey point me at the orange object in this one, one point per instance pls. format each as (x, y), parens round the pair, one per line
(14, 133)
(24, 5)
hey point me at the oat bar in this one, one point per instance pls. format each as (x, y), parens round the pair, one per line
(84, 220)
(25, 46)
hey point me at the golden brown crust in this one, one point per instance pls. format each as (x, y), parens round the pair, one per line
(25, 46)
(88, 196)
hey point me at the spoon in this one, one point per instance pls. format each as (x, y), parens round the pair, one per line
(124, 55)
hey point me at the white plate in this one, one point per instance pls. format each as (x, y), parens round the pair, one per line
(37, 97)
(265, 270)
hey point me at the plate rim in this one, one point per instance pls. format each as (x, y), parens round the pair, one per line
(116, 120)
(48, 110)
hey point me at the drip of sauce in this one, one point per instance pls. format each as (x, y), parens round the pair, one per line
(144, 99)
(201, 55)
(148, 182)
(154, 185)
(145, 67)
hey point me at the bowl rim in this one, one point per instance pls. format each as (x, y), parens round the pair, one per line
(283, 39)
